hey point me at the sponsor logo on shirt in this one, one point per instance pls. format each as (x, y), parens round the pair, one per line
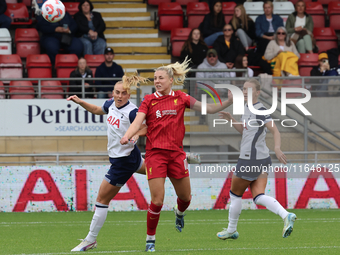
(154, 103)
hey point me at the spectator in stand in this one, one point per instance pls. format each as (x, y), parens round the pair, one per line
(243, 26)
(59, 35)
(91, 27)
(211, 62)
(228, 47)
(241, 62)
(82, 71)
(213, 23)
(5, 21)
(328, 66)
(282, 53)
(195, 48)
(107, 69)
(300, 26)
(266, 25)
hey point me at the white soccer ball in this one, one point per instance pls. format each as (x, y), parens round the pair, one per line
(53, 11)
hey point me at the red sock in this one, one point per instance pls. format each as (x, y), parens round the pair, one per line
(152, 218)
(182, 206)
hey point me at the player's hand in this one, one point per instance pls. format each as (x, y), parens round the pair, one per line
(281, 156)
(230, 96)
(124, 140)
(225, 115)
(134, 139)
(74, 98)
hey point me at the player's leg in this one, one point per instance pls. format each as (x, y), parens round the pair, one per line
(141, 170)
(238, 186)
(157, 192)
(106, 193)
(183, 191)
(257, 190)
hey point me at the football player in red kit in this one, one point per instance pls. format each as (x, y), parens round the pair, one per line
(164, 115)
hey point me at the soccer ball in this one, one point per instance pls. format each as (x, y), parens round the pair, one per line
(53, 11)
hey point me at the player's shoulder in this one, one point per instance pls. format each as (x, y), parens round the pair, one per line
(180, 93)
(108, 103)
(148, 98)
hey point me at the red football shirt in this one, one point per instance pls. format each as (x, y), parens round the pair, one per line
(165, 119)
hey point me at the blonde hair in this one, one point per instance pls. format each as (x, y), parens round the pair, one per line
(268, 2)
(243, 18)
(132, 80)
(256, 83)
(176, 71)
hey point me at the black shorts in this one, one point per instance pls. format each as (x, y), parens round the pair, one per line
(123, 168)
(250, 170)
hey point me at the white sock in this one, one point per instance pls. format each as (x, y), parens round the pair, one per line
(150, 238)
(97, 223)
(234, 211)
(271, 204)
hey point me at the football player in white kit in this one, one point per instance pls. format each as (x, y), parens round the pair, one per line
(125, 159)
(254, 154)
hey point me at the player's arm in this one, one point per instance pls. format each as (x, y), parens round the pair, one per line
(228, 117)
(87, 106)
(277, 142)
(134, 127)
(214, 108)
(141, 132)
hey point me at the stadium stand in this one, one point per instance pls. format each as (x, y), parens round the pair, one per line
(324, 2)
(325, 38)
(317, 12)
(5, 42)
(65, 64)
(228, 10)
(38, 66)
(334, 15)
(10, 67)
(307, 62)
(51, 90)
(71, 7)
(2, 91)
(21, 90)
(157, 2)
(93, 61)
(196, 13)
(19, 14)
(177, 39)
(185, 2)
(27, 41)
(170, 16)
(253, 9)
(284, 9)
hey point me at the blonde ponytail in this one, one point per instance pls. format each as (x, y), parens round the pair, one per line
(132, 80)
(177, 71)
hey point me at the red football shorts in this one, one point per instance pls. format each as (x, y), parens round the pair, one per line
(161, 163)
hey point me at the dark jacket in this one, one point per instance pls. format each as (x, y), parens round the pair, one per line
(226, 54)
(199, 52)
(77, 90)
(207, 26)
(251, 28)
(3, 6)
(48, 28)
(83, 27)
(262, 25)
(102, 71)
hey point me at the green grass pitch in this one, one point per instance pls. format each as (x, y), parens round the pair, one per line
(315, 232)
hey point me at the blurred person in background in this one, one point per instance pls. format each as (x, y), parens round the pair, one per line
(283, 55)
(266, 25)
(243, 26)
(241, 62)
(5, 21)
(194, 48)
(228, 47)
(300, 27)
(212, 24)
(108, 69)
(82, 71)
(91, 27)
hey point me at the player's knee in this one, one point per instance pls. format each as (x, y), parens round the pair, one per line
(255, 199)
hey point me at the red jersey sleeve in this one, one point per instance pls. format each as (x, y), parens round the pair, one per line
(189, 100)
(144, 107)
